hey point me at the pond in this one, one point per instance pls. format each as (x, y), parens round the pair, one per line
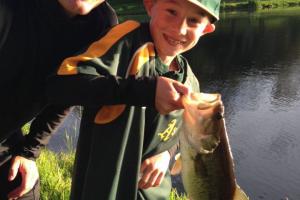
(253, 60)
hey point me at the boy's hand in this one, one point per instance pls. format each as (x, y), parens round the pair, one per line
(29, 173)
(153, 170)
(168, 95)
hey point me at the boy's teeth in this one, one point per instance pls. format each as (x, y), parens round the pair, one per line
(174, 42)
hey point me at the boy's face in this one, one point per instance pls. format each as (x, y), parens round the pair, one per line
(176, 25)
(79, 7)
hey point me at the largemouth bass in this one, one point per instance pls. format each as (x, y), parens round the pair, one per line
(207, 165)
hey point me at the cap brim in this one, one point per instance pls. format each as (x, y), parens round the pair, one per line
(204, 8)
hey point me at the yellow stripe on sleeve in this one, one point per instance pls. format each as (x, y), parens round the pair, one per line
(109, 113)
(98, 48)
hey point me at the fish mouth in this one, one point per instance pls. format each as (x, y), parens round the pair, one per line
(202, 100)
(202, 116)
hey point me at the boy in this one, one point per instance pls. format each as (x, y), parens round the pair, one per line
(119, 80)
(35, 37)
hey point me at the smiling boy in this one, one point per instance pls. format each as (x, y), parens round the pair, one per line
(129, 82)
(176, 26)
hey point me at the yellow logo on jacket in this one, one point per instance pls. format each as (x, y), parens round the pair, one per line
(169, 132)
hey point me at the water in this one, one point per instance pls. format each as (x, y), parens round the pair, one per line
(253, 60)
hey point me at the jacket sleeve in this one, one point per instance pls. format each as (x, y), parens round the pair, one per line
(51, 117)
(99, 76)
(41, 130)
(6, 14)
(97, 90)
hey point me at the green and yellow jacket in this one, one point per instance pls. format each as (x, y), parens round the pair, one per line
(115, 79)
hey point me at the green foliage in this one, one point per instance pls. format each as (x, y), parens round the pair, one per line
(55, 174)
(258, 4)
(267, 4)
(134, 7)
(175, 196)
(241, 5)
(26, 128)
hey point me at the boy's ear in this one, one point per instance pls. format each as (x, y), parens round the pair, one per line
(209, 28)
(148, 4)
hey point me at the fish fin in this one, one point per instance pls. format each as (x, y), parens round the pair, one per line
(239, 194)
(177, 166)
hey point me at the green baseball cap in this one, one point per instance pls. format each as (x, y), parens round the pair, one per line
(212, 7)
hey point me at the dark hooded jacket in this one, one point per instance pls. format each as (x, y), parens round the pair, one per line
(35, 36)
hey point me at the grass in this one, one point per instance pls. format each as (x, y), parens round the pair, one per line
(175, 196)
(56, 169)
(25, 128)
(135, 8)
(55, 173)
(268, 4)
(129, 8)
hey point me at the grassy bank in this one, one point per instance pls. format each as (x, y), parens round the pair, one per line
(269, 4)
(55, 172)
(134, 8)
